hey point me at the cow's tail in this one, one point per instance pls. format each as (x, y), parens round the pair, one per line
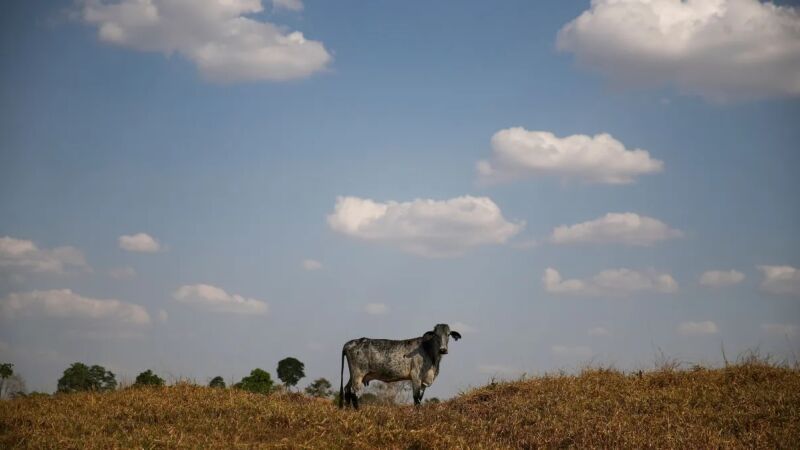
(341, 384)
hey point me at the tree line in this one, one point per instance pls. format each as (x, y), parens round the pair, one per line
(79, 377)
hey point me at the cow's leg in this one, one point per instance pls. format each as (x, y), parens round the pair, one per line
(356, 389)
(416, 388)
(348, 393)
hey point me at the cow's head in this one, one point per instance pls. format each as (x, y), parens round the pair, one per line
(442, 333)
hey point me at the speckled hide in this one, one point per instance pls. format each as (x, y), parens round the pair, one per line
(415, 359)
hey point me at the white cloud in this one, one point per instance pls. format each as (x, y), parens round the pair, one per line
(24, 255)
(291, 5)
(221, 37)
(697, 328)
(721, 278)
(780, 280)
(311, 264)
(519, 153)
(463, 328)
(376, 309)
(571, 351)
(122, 273)
(432, 228)
(616, 228)
(598, 332)
(720, 49)
(610, 283)
(780, 329)
(214, 299)
(63, 303)
(140, 242)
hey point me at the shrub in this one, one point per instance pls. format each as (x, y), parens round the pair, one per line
(217, 382)
(259, 381)
(148, 378)
(80, 377)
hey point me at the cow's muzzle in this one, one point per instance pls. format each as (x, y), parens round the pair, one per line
(443, 351)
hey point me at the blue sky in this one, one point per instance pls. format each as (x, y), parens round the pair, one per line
(230, 167)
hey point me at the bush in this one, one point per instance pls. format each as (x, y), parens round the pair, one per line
(259, 381)
(148, 378)
(319, 388)
(217, 382)
(80, 377)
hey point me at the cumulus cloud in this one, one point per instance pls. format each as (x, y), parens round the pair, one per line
(214, 299)
(24, 255)
(140, 242)
(780, 280)
(616, 228)
(376, 309)
(719, 49)
(63, 303)
(598, 332)
(291, 5)
(311, 264)
(519, 153)
(221, 37)
(780, 329)
(431, 228)
(571, 351)
(721, 278)
(697, 328)
(610, 283)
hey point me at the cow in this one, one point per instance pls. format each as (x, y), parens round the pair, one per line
(415, 359)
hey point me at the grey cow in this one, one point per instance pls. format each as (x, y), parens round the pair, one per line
(388, 360)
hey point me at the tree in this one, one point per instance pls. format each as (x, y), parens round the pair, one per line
(290, 371)
(11, 384)
(80, 377)
(15, 386)
(217, 382)
(148, 378)
(258, 381)
(6, 371)
(319, 388)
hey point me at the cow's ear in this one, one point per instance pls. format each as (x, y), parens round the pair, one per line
(428, 334)
(456, 335)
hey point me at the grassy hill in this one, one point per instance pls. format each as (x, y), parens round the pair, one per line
(745, 406)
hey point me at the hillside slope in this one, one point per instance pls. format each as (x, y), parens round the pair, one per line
(753, 406)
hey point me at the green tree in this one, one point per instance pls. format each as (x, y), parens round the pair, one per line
(148, 378)
(259, 381)
(217, 382)
(319, 388)
(6, 371)
(290, 371)
(80, 377)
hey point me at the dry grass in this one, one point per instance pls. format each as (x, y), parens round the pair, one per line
(751, 405)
